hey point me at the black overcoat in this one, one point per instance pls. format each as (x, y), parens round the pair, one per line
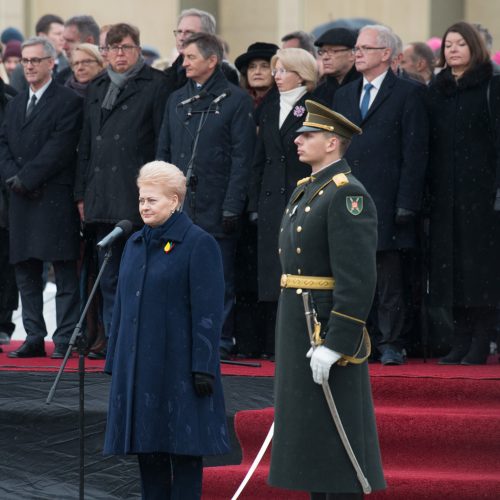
(325, 91)
(276, 170)
(42, 152)
(320, 237)
(224, 150)
(390, 156)
(166, 325)
(115, 144)
(464, 174)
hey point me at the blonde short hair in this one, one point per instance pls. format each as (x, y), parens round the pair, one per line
(300, 61)
(92, 51)
(163, 174)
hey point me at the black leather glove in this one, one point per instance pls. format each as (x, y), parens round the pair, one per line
(203, 384)
(230, 222)
(253, 217)
(404, 216)
(16, 186)
(496, 205)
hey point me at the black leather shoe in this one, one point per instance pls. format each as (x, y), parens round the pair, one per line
(97, 355)
(28, 350)
(60, 352)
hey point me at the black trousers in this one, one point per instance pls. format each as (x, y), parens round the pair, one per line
(30, 284)
(390, 302)
(109, 278)
(166, 476)
(228, 252)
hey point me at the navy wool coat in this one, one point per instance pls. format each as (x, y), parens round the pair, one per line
(390, 156)
(166, 325)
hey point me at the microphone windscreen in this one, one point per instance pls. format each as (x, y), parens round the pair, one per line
(126, 226)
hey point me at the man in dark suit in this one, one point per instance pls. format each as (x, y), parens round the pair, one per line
(218, 169)
(38, 143)
(337, 58)
(390, 159)
(123, 114)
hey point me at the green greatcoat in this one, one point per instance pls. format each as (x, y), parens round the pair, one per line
(321, 236)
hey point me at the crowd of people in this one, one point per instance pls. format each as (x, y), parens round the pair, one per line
(399, 199)
(90, 110)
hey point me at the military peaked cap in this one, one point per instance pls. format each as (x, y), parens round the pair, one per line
(319, 118)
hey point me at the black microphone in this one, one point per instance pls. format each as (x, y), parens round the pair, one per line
(221, 97)
(123, 228)
(202, 94)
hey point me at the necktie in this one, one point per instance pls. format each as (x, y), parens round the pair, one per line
(365, 102)
(31, 106)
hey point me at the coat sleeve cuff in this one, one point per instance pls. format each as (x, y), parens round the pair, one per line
(344, 333)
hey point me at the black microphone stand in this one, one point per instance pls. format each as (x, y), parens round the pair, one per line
(78, 340)
(191, 183)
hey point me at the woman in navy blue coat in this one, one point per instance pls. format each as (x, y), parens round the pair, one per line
(166, 401)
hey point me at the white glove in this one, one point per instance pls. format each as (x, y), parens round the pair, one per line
(322, 360)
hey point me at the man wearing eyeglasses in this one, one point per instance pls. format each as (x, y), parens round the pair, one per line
(123, 115)
(337, 58)
(389, 158)
(51, 27)
(193, 21)
(38, 143)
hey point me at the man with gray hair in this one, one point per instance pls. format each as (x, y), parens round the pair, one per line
(38, 143)
(208, 132)
(389, 158)
(193, 21)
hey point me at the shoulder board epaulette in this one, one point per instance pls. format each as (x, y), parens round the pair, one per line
(305, 180)
(340, 179)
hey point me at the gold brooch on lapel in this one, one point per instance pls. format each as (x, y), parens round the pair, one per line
(168, 247)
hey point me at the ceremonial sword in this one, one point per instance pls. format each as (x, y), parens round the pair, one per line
(311, 323)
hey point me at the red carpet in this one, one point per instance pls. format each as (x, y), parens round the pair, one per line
(439, 431)
(266, 368)
(414, 367)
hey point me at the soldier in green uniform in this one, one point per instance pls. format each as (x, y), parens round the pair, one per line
(328, 242)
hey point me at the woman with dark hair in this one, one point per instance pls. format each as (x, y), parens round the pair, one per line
(256, 78)
(276, 171)
(464, 192)
(255, 69)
